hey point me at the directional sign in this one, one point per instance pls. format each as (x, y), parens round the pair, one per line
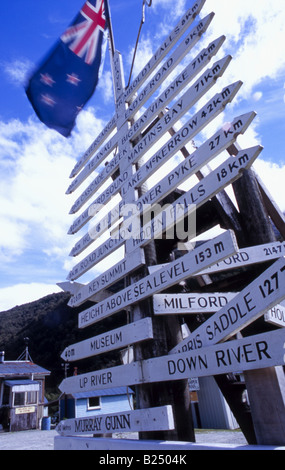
(244, 257)
(108, 278)
(110, 341)
(247, 256)
(182, 105)
(190, 97)
(203, 117)
(255, 300)
(175, 87)
(276, 316)
(206, 152)
(162, 279)
(93, 258)
(218, 179)
(197, 64)
(164, 49)
(94, 146)
(176, 304)
(188, 74)
(255, 352)
(152, 419)
(95, 162)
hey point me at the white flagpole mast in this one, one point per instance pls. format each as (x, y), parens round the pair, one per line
(110, 26)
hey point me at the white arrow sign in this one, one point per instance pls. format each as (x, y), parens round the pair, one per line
(181, 304)
(255, 300)
(255, 352)
(276, 316)
(162, 279)
(110, 341)
(196, 66)
(108, 278)
(218, 179)
(190, 97)
(188, 74)
(247, 256)
(244, 257)
(164, 49)
(200, 120)
(152, 419)
(188, 43)
(206, 152)
(94, 146)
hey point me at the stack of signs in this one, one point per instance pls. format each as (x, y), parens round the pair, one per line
(133, 132)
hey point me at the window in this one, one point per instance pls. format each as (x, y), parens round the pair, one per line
(32, 398)
(19, 398)
(93, 403)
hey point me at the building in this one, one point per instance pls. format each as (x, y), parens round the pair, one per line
(79, 405)
(22, 388)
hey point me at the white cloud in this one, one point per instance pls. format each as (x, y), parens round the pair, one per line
(36, 162)
(24, 293)
(255, 31)
(273, 177)
(17, 70)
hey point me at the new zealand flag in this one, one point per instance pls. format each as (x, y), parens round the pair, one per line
(66, 80)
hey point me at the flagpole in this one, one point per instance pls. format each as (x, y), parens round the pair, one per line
(110, 26)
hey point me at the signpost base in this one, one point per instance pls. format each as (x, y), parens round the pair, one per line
(84, 443)
(269, 413)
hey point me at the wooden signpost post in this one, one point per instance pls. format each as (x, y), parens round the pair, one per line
(152, 321)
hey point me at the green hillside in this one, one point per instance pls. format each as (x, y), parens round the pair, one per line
(51, 326)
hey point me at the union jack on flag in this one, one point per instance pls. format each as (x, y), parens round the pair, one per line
(64, 82)
(83, 37)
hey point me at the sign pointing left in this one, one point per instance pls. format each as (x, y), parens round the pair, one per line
(255, 352)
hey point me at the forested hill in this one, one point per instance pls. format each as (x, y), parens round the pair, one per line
(51, 326)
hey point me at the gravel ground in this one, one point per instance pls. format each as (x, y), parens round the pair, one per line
(44, 440)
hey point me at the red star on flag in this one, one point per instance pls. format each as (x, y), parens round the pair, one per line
(48, 100)
(73, 79)
(47, 79)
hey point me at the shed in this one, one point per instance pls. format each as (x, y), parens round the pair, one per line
(84, 404)
(22, 388)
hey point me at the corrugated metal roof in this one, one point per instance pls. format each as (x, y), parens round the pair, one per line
(104, 393)
(16, 368)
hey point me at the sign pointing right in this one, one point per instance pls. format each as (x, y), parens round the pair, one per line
(256, 299)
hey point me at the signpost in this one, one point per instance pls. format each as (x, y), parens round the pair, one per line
(276, 316)
(181, 304)
(110, 341)
(108, 278)
(255, 352)
(153, 419)
(245, 257)
(160, 280)
(255, 300)
(133, 131)
(209, 150)
(194, 198)
(190, 97)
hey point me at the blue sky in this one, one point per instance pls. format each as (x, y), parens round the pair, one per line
(35, 162)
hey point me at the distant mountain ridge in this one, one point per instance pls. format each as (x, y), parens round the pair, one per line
(51, 325)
